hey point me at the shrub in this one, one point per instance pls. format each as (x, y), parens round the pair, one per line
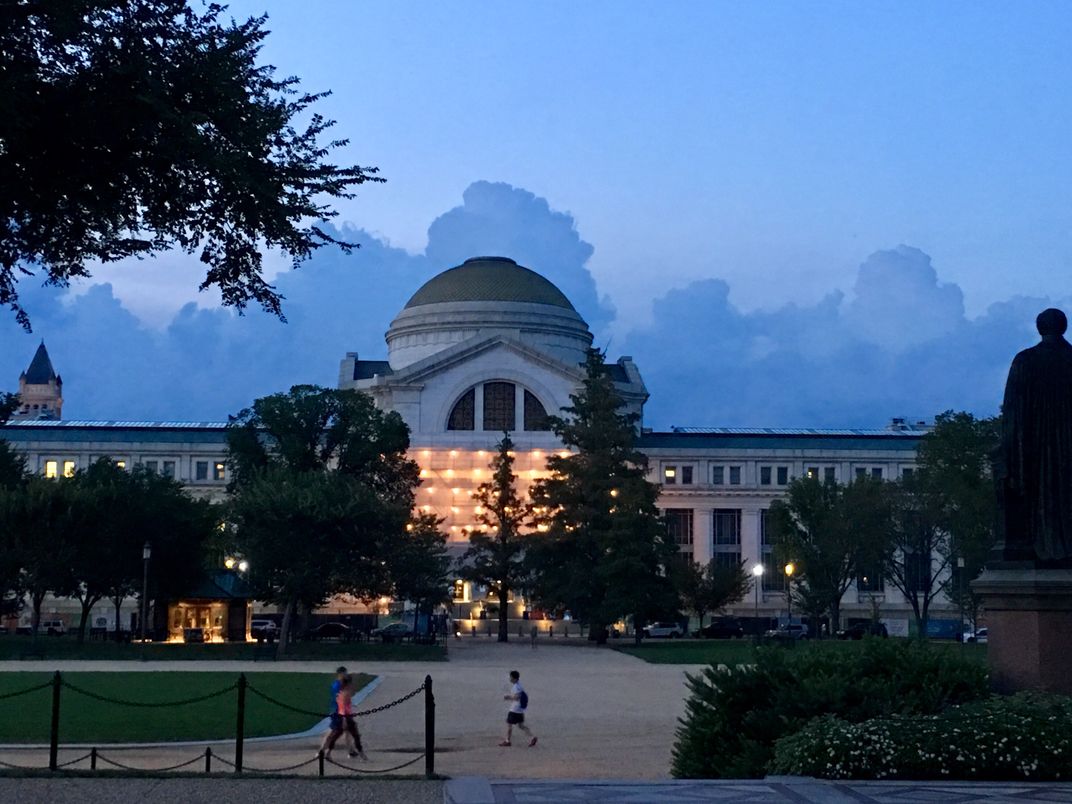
(1025, 737)
(734, 716)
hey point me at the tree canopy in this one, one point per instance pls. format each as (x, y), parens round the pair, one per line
(135, 126)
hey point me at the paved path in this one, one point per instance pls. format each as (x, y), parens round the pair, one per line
(598, 713)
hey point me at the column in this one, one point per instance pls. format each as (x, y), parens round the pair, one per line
(751, 551)
(702, 536)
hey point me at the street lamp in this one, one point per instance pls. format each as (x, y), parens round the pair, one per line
(757, 573)
(790, 568)
(146, 554)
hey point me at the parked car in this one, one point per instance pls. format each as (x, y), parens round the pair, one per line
(722, 628)
(664, 630)
(339, 631)
(789, 633)
(979, 636)
(47, 627)
(264, 629)
(394, 632)
(860, 630)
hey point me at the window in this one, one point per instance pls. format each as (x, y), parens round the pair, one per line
(499, 406)
(51, 468)
(870, 581)
(152, 466)
(917, 569)
(764, 475)
(201, 470)
(773, 577)
(679, 528)
(907, 472)
(812, 473)
(535, 415)
(829, 476)
(218, 470)
(669, 475)
(727, 536)
(169, 469)
(121, 464)
(861, 472)
(686, 475)
(68, 468)
(876, 472)
(459, 590)
(735, 475)
(718, 475)
(783, 475)
(463, 415)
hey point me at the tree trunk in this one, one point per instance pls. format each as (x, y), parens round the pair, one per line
(835, 618)
(87, 604)
(117, 601)
(700, 614)
(504, 612)
(284, 629)
(638, 628)
(36, 600)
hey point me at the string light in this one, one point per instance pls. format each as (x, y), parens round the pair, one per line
(450, 473)
(430, 489)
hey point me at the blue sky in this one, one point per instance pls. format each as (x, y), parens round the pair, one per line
(759, 163)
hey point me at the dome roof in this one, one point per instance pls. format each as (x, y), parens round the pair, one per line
(489, 279)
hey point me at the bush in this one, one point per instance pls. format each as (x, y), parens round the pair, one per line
(734, 716)
(1025, 737)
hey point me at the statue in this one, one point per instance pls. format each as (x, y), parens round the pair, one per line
(1034, 467)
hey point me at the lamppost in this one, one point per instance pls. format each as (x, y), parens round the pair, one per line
(960, 572)
(146, 554)
(757, 573)
(790, 568)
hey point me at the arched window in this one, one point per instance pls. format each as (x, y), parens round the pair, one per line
(463, 415)
(499, 407)
(535, 415)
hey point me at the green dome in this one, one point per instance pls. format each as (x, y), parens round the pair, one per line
(489, 279)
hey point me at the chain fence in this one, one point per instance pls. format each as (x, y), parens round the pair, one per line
(238, 766)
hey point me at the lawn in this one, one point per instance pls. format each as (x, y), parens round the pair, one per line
(83, 719)
(67, 647)
(741, 651)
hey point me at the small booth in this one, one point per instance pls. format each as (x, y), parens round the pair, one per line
(218, 609)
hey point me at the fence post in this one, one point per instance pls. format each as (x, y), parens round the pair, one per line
(429, 728)
(240, 724)
(54, 730)
(92, 758)
(320, 761)
(208, 759)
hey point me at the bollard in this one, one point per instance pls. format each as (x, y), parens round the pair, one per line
(489, 629)
(474, 630)
(320, 762)
(240, 724)
(92, 758)
(550, 632)
(54, 730)
(519, 632)
(429, 729)
(208, 759)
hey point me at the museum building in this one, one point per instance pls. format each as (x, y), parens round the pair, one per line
(489, 346)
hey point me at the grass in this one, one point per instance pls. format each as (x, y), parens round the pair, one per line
(741, 651)
(67, 647)
(26, 719)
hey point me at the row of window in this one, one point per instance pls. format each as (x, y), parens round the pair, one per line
(731, 475)
(499, 406)
(204, 471)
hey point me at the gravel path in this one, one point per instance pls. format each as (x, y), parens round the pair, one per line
(598, 713)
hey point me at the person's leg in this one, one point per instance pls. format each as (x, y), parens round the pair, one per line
(527, 731)
(330, 740)
(355, 735)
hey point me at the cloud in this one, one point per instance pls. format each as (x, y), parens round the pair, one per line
(899, 346)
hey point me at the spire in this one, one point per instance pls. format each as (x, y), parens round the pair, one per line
(40, 371)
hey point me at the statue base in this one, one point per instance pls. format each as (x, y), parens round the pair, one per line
(1029, 617)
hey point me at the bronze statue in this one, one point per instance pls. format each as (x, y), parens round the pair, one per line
(1034, 468)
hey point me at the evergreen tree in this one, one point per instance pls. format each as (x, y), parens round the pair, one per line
(603, 549)
(420, 567)
(495, 557)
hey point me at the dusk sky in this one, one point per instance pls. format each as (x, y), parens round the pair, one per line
(790, 214)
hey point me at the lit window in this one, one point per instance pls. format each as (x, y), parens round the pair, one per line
(51, 468)
(121, 464)
(670, 475)
(68, 468)
(812, 472)
(218, 471)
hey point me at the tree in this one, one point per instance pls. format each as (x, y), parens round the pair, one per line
(419, 566)
(604, 549)
(12, 464)
(310, 535)
(711, 587)
(945, 513)
(495, 558)
(135, 126)
(831, 532)
(322, 492)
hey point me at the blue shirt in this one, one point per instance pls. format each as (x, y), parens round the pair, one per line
(336, 685)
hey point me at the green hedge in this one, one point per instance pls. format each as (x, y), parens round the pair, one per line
(1025, 737)
(734, 716)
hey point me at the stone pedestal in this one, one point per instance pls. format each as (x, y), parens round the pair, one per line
(1029, 617)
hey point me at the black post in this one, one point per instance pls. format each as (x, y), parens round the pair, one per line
(92, 758)
(54, 731)
(208, 759)
(240, 724)
(429, 729)
(320, 761)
